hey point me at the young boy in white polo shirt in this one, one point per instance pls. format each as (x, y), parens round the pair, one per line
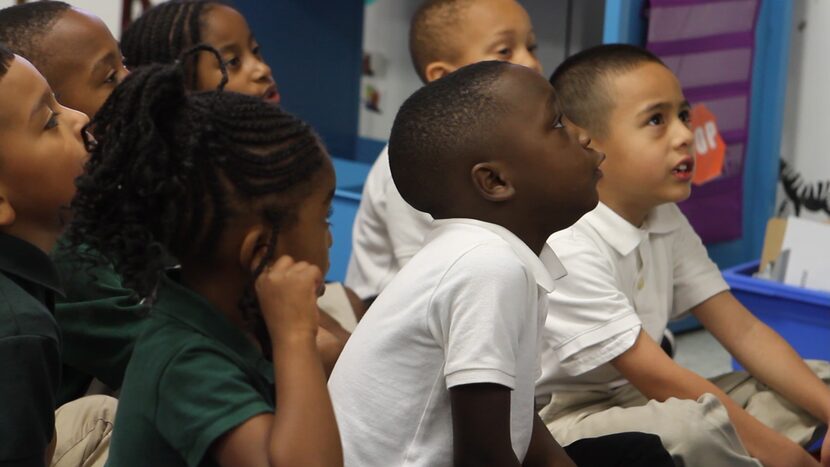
(634, 264)
(441, 369)
(444, 35)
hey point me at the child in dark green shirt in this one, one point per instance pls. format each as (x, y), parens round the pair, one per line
(226, 371)
(40, 146)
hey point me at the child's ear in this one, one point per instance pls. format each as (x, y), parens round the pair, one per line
(7, 214)
(491, 183)
(253, 247)
(437, 70)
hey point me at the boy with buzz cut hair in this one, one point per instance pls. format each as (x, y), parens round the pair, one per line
(441, 369)
(99, 318)
(40, 146)
(444, 36)
(635, 263)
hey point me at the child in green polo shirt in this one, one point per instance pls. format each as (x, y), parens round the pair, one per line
(226, 371)
(40, 146)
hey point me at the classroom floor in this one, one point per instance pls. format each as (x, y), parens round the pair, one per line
(701, 353)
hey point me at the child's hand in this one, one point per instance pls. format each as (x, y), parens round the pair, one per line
(287, 293)
(825, 451)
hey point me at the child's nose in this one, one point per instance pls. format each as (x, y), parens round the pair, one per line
(685, 135)
(263, 71)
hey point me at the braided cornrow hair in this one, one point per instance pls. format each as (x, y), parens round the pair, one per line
(170, 169)
(164, 32)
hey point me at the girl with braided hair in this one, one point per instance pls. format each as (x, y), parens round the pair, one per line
(165, 31)
(238, 192)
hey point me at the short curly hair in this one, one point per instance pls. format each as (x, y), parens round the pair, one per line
(22, 28)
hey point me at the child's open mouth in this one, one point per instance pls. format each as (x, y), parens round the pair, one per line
(684, 170)
(272, 95)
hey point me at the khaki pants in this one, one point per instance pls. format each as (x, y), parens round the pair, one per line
(696, 433)
(84, 427)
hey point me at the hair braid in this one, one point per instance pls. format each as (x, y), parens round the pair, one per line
(171, 170)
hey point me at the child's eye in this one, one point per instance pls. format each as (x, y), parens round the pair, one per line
(233, 62)
(112, 78)
(686, 117)
(558, 124)
(505, 52)
(656, 120)
(257, 50)
(328, 215)
(532, 48)
(52, 122)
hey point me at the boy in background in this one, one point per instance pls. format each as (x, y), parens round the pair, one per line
(634, 264)
(444, 36)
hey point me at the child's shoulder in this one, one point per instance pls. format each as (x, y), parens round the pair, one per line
(21, 314)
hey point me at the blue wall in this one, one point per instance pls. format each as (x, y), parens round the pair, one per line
(315, 50)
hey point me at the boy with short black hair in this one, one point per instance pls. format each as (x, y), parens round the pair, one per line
(635, 263)
(40, 145)
(441, 369)
(72, 48)
(444, 35)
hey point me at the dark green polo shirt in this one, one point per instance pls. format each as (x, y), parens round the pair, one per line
(29, 352)
(193, 377)
(100, 320)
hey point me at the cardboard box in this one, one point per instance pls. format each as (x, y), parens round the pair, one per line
(797, 252)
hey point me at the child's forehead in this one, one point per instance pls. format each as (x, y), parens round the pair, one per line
(21, 89)
(223, 23)
(79, 34)
(643, 87)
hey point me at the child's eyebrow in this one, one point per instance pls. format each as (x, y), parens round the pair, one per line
(232, 47)
(41, 103)
(106, 60)
(663, 106)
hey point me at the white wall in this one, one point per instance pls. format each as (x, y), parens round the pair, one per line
(386, 35)
(806, 123)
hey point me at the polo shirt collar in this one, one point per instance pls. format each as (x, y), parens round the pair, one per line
(180, 303)
(624, 236)
(22, 259)
(545, 267)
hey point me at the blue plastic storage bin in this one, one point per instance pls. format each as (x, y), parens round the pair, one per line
(801, 316)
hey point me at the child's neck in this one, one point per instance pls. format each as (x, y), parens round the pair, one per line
(43, 240)
(633, 212)
(222, 291)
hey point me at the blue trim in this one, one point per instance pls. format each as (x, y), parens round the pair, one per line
(624, 22)
(769, 89)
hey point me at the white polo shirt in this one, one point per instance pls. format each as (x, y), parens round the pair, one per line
(468, 308)
(621, 279)
(387, 232)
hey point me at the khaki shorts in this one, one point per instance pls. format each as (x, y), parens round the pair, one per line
(695, 432)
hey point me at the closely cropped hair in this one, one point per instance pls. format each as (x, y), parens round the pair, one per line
(164, 32)
(170, 170)
(6, 58)
(582, 80)
(431, 24)
(23, 26)
(447, 119)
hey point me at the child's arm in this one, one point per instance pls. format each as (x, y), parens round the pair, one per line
(303, 430)
(481, 426)
(766, 356)
(658, 377)
(544, 450)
